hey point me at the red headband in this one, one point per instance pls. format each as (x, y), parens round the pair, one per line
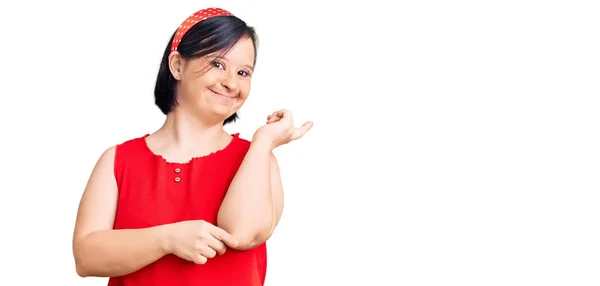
(193, 20)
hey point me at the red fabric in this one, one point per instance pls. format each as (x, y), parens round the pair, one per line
(150, 194)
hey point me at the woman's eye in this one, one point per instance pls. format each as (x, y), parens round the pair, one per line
(217, 65)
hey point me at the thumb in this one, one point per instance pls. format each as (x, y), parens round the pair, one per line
(225, 237)
(300, 131)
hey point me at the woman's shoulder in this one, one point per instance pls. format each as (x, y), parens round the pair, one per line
(132, 147)
(132, 140)
(137, 142)
(241, 139)
(239, 143)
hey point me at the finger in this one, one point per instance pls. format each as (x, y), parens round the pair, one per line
(300, 131)
(215, 244)
(284, 113)
(274, 119)
(208, 252)
(276, 116)
(199, 259)
(224, 236)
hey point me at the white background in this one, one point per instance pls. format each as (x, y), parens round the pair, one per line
(455, 142)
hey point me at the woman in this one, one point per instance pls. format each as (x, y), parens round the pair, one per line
(189, 204)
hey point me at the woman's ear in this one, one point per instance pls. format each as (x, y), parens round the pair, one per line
(176, 64)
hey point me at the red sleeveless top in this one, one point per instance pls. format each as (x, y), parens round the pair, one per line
(153, 191)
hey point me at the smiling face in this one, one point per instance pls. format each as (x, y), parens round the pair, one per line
(214, 87)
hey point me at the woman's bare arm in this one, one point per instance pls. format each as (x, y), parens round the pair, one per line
(254, 201)
(98, 249)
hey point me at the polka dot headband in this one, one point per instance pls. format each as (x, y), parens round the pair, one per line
(193, 20)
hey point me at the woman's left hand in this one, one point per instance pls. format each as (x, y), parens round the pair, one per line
(280, 129)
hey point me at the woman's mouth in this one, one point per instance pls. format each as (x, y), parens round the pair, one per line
(223, 95)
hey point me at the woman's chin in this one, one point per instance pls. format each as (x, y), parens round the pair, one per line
(222, 113)
(216, 112)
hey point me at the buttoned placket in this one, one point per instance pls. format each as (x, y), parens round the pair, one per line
(177, 171)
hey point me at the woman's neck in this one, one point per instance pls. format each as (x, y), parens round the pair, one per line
(183, 136)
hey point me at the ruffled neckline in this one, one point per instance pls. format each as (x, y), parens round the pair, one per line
(234, 139)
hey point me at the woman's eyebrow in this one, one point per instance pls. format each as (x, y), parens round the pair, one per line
(226, 59)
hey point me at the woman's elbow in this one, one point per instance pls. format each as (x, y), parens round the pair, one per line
(82, 263)
(247, 234)
(81, 271)
(85, 268)
(81, 266)
(250, 239)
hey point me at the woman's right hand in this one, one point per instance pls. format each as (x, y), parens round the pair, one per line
(197, 240)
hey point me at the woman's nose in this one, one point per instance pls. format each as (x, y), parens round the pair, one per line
(229, 81)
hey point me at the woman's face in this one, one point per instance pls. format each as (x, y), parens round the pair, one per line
(216, 86)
